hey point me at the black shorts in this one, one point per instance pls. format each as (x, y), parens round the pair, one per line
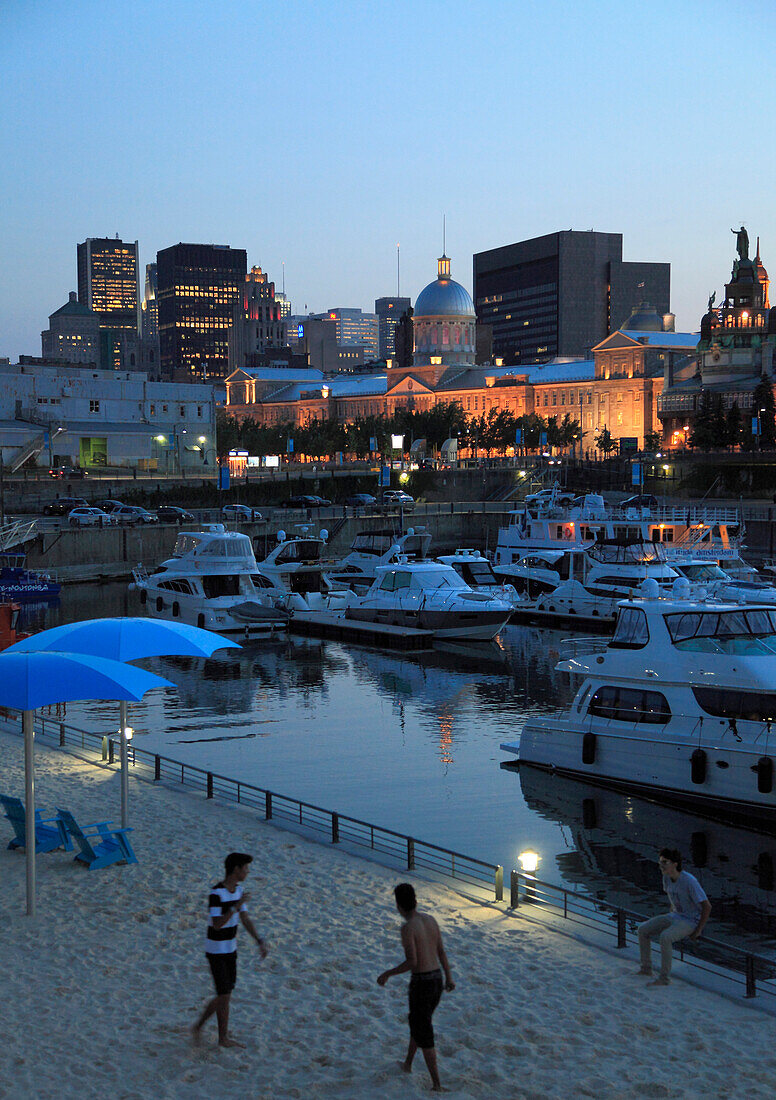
(224, 971)
(425, 993)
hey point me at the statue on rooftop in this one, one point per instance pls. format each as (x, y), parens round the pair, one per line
(711, 301)
(742, 243)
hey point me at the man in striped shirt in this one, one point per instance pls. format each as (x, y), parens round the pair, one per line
(226, 905)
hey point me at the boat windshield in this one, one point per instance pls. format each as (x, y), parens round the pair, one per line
(184, 544)
(301, 550)
(703, 571)
(477, 574)
(742, 632)
(628, 552)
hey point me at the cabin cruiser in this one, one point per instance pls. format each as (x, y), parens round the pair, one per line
(587, 584)
(371, 549)
(212, 581)
(680, 702)
(297, 570)
(478, 573)
(689, 532)
(717, 583)
(429, 595)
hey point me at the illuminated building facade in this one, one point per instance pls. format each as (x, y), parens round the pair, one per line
(73, 334)
(561, 294)
(108, 276)
(389, 312)
(257, 321)
(353, 329)
(149, 310)
(198, 288)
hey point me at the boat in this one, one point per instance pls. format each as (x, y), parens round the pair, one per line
(21, 584)
(297, 570)
(212, 581)
(691, 532)
(371, 549)
(680, 703)
(587, 585)
(429, 595)
(478, 573)
(717, 583)
(9, 625)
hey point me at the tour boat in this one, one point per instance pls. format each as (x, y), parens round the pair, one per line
(478, 573)
(21, 584)
(429, 595)
(371, 549)
(680, 702)
(212, 581)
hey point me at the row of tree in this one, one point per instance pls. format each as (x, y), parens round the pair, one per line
(715, 426)
(491, 433)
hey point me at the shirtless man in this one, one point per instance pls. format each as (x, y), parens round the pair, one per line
(423, 951)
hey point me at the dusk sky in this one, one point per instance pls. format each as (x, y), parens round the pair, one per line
(321, 134)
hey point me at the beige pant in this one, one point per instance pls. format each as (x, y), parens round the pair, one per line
(667, 930)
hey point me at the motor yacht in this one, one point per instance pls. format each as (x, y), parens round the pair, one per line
(680, 702)
(429, 595)
(212, 581)
(297, 569)
(717, 583)
(478, 573)
(371, 549)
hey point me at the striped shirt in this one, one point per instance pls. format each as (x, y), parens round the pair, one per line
(223, 940)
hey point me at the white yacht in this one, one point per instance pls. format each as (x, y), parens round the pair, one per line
(297, 570)
(587, 585)
(478, 573)
(717, 583)
(680, 702)
(429, 595)
(371, 549)
(212, 581)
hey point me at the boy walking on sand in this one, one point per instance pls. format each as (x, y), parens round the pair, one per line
(690, 910)
(423, 952)
(226, 905)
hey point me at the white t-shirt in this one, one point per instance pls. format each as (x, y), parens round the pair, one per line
(685, 895)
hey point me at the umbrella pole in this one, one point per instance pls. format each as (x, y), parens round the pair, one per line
(124, 763)
(29, 808)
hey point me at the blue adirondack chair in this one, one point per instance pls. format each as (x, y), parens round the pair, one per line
(50, 833)
(99, 844)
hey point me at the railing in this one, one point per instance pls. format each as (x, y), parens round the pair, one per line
(580, 647)
(732, 964)
(399, 848)
(17, 533)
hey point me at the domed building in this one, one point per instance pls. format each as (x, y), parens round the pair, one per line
(444, 321)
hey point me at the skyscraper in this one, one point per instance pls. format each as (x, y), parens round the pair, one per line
(389, 312)
(108, 282)
(150, 305)
(198, 286)
(354, 328)
(561, 294)
(257, 325)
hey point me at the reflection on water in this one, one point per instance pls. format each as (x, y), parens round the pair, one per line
(412, 743)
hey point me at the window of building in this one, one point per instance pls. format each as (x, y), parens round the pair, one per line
(94, 406)
(153, 410)
(555, 399)
(545, 400)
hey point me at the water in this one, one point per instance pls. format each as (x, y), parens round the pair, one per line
(411, 743)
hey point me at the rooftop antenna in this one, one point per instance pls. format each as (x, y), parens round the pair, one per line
(398, 277)
(284, 278)
(444, 234)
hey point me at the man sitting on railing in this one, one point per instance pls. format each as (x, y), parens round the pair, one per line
(690, 909)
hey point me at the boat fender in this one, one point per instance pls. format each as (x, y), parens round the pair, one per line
(143, 596)
(159, 603)
(201, 621)
(176, 609)
(764, 769)
(765, 878)
(588, 747)
(589, 813)
(699, 849)
(698, 766)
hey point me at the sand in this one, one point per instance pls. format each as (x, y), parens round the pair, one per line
(100, 989)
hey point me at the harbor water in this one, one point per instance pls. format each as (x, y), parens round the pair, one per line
(411, 743)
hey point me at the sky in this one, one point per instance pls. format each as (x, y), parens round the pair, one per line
(319, 135)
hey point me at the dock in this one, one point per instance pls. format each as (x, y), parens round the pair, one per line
(325, 625)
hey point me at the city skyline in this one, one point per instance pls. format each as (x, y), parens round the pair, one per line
(351, 130)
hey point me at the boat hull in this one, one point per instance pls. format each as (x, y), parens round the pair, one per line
(477, 626)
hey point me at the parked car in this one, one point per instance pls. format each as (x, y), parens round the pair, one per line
(544, 496)
(361, 500)
(397, 498)
(320, 502)
(90, 517)
(62, 506)
(171, 513)
(240, 512)
(67, 472)
(131, 514)
(640, 500)
(110, 505)
(301, 502)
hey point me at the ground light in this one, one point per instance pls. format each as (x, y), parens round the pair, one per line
(403, 478)
(529, 862)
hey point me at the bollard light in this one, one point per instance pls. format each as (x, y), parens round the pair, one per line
(128, 733)
(529, 862)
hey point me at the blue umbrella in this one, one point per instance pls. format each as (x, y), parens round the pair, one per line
(126, 639)
(32, 680)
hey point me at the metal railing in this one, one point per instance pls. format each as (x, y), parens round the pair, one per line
(398, 848)
(733, 965)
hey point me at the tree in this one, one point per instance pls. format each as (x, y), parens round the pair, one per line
(764, 409)
(733, 425)
(652, 441)
(703, 427)
(605, 443)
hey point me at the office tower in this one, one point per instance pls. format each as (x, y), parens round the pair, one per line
(561, 294)
(150, 305)
(73, 334)
(389, 312)
(354, 329)
(198, 285)
(257, 324)
(108, 282)
(284, 303)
